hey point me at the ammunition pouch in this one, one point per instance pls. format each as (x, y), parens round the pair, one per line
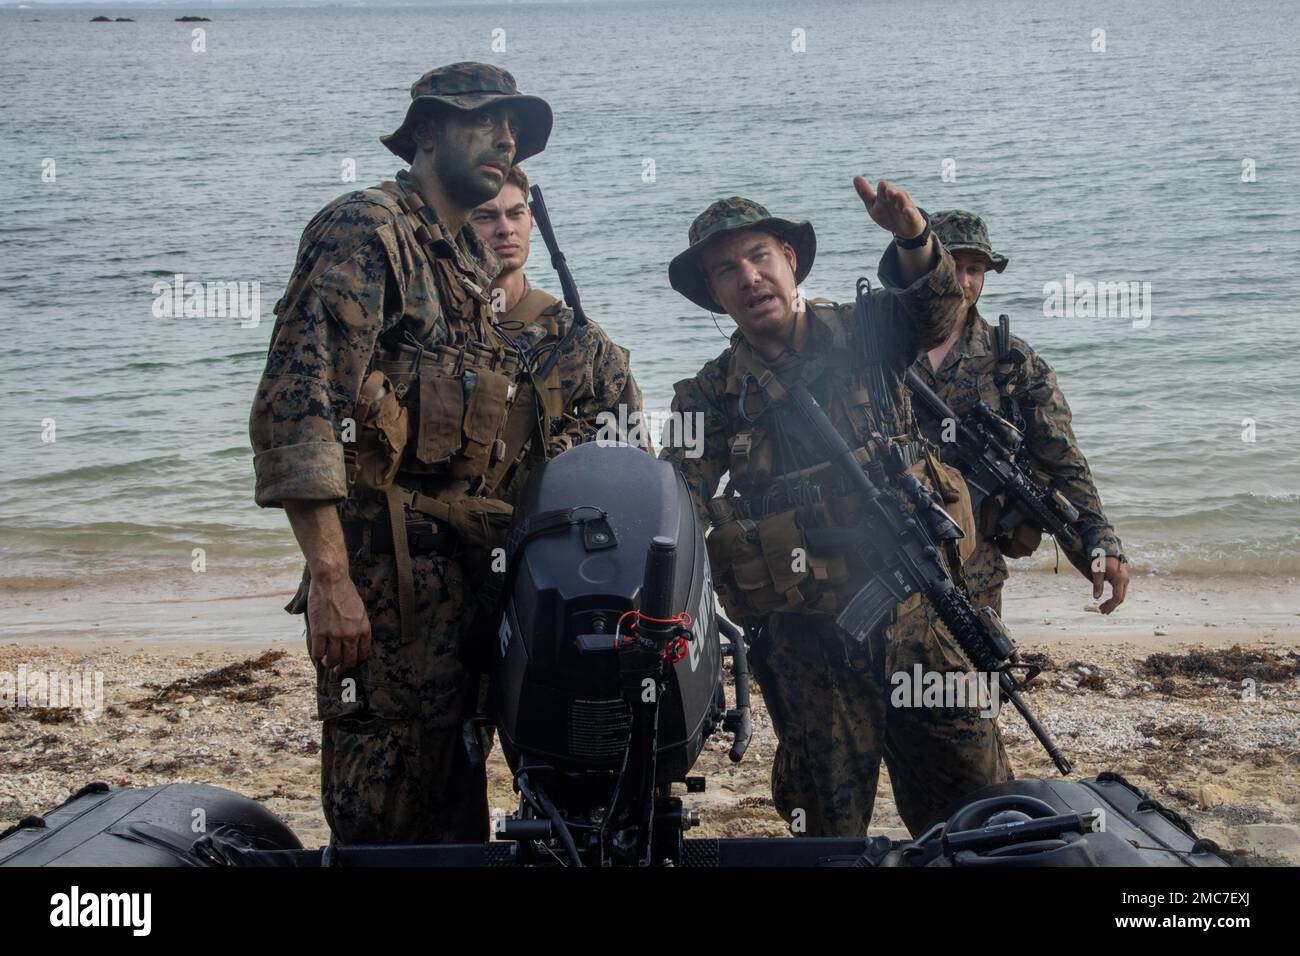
(480, 527)
(381, 424)
(1022, 541)
(481, 523)
(951, 487)
(766, 564)
(790, 549)
(473, 413)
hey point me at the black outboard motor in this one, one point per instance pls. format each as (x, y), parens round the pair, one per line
(608, 678)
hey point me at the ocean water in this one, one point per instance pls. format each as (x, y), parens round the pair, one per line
(1117, 165)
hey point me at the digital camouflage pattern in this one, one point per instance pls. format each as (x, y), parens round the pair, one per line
(959, 230)
(393, 767)
(393, 762)
(965, 377)
(831, 711)
(361, 276)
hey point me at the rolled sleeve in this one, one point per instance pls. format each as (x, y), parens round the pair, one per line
(326, 329)
(312, 471)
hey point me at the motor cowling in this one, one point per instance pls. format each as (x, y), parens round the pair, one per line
(584, 524)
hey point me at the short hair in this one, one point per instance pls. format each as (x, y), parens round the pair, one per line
(517, 177)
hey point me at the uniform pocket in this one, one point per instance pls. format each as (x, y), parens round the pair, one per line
(355, 696)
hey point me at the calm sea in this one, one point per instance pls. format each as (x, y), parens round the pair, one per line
(1167, 159)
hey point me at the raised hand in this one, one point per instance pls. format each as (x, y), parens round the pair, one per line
(890, 208)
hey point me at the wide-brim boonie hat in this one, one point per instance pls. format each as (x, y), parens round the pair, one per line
(685, 273)
(959, 230)
(471, 86)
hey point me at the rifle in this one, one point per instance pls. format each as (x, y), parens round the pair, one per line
(901, 548)
(987, 446)
(561, 266)
(1010, 358)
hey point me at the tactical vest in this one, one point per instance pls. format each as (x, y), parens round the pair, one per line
(440, 427)
(764, 548)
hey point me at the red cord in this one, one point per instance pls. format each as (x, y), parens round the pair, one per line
(677, 648)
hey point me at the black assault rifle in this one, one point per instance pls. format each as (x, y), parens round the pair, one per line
(561, 266)
(900, 547)
(987, 446)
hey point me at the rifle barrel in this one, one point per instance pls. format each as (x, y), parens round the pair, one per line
(932, 403)
(558, 262)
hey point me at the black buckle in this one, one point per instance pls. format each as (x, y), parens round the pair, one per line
(421, 536)
(597, 534)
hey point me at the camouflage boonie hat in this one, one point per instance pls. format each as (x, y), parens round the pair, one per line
(957, 229)
(727, 215)
(471, 86)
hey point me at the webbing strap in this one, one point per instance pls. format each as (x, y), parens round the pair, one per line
(402, 558)
(425, 504)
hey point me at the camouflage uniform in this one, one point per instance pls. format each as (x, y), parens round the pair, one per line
(829, 703)
(587, 369)
(966, 376)
(393, 764)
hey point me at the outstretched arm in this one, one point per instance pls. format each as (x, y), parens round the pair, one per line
(924, 296)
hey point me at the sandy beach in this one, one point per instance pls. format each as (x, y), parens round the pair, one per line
(1191, 690)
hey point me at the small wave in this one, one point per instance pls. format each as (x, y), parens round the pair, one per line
(259, 354)
(235, 451)
(103, 472)
(232, 358)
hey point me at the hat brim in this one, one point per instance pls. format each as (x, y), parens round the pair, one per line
(535, 120)
(686, 275)
(995, 261)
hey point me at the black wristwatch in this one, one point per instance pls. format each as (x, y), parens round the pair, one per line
(916, 242)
